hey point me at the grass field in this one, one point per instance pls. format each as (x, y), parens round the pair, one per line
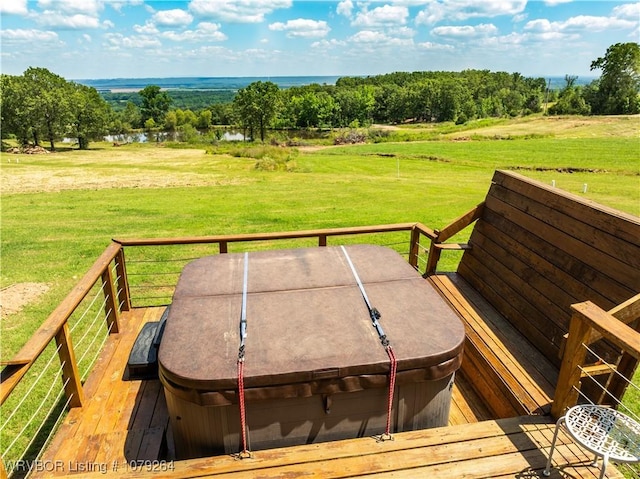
(60, 210)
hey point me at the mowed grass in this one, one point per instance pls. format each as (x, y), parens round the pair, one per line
(59, 211)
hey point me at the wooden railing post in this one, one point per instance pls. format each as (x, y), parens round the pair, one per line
(70, 374)
(124, 295)
(111, 310)
(3, 470)
(575, 353)
(434, 256)
(322, 240)
(414, 247)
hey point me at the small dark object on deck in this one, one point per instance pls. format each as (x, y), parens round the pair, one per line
(143, 359)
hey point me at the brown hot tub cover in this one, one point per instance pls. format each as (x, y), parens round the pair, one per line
(309, 330)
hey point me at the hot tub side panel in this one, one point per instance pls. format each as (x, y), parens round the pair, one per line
(201, 431)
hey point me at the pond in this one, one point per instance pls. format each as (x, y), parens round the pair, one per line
(144, 137)
(220, 134)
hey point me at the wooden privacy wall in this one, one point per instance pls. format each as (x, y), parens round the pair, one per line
(536, 250)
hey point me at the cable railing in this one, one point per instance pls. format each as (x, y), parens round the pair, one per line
(47, 376)
(154, 265)
(588, 375)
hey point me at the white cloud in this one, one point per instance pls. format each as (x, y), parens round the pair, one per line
(630, 11)
(553, 3)
(302, 28)
(149, 28)
(597, 24)
(581, 23)
(382, 16)
(172, 18)
(86, 37)
(67, 22)
(205, 31)
(238, 11)
(118, 41)
(374, 37)
(118, 5)
(405, 32)
(328, 44)
(456, 10)
(28, 36)
(434, 46)
(466, 31)
(345, 8)
(13, 7)
(85, 7)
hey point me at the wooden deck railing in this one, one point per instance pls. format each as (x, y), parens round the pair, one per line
(589, 324)
(110, 273)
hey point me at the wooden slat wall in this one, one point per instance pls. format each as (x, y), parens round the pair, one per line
(537, 250)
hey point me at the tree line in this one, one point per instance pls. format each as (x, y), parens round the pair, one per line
(42, 106)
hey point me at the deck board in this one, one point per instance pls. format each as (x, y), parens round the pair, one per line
(124, 421)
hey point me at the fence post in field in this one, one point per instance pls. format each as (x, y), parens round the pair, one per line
(70, 374)
(575, 353)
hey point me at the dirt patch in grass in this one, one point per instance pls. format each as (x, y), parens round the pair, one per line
(15, 297)
(557, 126)
(107, 167)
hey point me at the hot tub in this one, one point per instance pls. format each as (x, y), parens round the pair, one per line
(315, 369)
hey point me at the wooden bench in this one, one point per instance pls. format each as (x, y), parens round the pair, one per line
(534, 250)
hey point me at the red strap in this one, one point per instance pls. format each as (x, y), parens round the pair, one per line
(243, 417)
(392, 386)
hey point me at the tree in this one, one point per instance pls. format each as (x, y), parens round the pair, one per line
(16, 115)
(257, 105)
(618, 88)
(155, 104)
(49, 103)
(131, 116)
(89, 114)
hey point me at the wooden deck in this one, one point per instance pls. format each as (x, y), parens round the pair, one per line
(127, 421)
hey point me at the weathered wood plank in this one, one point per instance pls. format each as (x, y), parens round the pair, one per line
(500, 362)
(498, 285)
(554, 217)
(356, 230)
(506, 340)
(469, 407)
(623, 225)
(575, 280)
(460, 223)
(527, 269)
(488, 449)
(571, 247)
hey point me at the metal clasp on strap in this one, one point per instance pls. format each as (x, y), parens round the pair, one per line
(243, 455)
(385, 436)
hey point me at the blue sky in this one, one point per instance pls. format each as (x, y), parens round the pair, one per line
(86, 39)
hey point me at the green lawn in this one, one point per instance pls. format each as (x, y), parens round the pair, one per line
(59, 211)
